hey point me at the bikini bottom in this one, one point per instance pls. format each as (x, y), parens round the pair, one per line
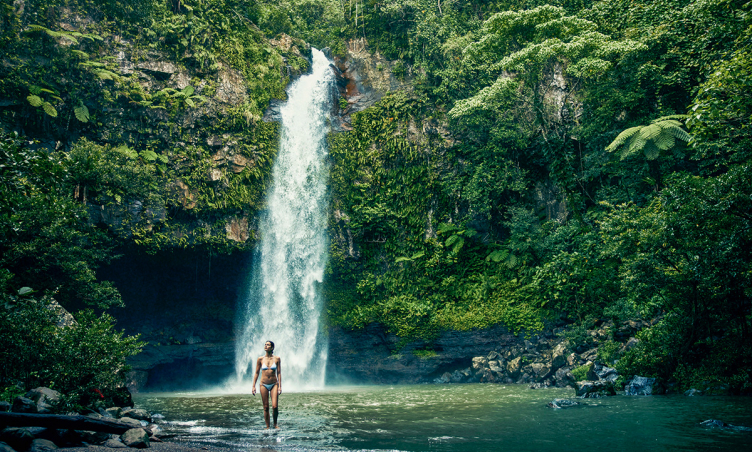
(269, 387)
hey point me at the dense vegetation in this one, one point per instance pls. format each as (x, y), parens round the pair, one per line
(594, 165)
(554, 161)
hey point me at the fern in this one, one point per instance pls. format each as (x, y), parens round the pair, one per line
(660, 135)
(35, 101)
(82, 113)
(49, 109)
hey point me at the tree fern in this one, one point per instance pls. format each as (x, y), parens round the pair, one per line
(35, 101)
(660, 135)
(49, 109)
(82, 113)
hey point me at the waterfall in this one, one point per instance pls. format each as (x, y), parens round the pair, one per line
(284, 300)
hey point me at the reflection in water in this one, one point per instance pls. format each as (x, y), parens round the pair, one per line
(475, 417)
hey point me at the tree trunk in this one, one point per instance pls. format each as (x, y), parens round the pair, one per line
(58, 421)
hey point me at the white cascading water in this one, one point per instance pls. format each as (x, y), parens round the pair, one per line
(284, 300)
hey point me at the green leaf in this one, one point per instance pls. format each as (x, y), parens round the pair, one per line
(35, 101)
(149, 155)
(190, 103)
(445, 227)
(402, 259)
(49, 109)
(458, 245)
(418, 255)
(25, 291)
(188, 90)
(82, 113)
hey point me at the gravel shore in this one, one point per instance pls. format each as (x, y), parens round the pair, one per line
(158, 447)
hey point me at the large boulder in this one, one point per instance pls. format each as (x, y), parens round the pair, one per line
(479, 363)
(640, 386)
(45, 398)
(137, 413)
(559, 356)
(24, 405)
(114, 444)
(541, 371)
(605, 373)
(594, 389)
(17, 438)
(130, 422)
(42, 445)
(135, 437)
(91, 437)
(514, 367)
(563, 377)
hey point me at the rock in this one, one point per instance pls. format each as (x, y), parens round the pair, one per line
(17, 438)
(137, 413)
(24, 405)
(590, 355)
(90, 437)
(631, 343)
(514, 366)
(559, 356)
(45, 398)
(479, 363)
(495, 366)
(6, 448)
(715, 423)
(161, 70)
(524, 378)
(5, 406)
(487, 376)
(153, 430)
(572, 359)
(445, 378)
(562, 403)
(41, 445)
(541, 371)
(122, 397)
(135, 437)
(114, 444)
(130, 422)
(605, 373)
(563, 377)
(594, 389)
(492, 356)
(693, 392)
(540, 385)
(640, 386)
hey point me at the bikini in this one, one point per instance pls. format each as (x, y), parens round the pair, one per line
(269, 387)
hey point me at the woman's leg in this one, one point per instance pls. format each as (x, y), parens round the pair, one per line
(265, 401)
(275, 411)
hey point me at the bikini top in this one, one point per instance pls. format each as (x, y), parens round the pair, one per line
(263, 367)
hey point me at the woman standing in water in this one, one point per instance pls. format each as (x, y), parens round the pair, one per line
(270, 367)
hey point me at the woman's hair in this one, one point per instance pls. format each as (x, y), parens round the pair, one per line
(271, 343)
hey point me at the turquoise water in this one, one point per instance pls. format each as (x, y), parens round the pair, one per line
(472, 417)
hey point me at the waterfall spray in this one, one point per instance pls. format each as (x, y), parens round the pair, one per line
(284, 300)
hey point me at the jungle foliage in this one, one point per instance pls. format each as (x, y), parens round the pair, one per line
(555, 161)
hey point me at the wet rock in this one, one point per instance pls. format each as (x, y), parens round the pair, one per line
(562, 403)
(24, 405)
(594, 389)
(135, 437)
(6, 448)
(541, 370)
(563, 377)
(153, 430)
(541, 385)
(114, 444)
(130, 422)
(640, 386)
(42, 445)
(487, 376)
(17, 438)
(45, 398)
(91, 437)
(445, 378)
(692, 392)
(605, 373)
(715, 423)
(492, 356)
(495, 366)
(5, 406)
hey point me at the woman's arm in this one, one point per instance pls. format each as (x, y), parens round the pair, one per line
(256, 375)
(279, 375)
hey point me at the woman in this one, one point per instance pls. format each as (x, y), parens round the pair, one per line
(270, 367)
